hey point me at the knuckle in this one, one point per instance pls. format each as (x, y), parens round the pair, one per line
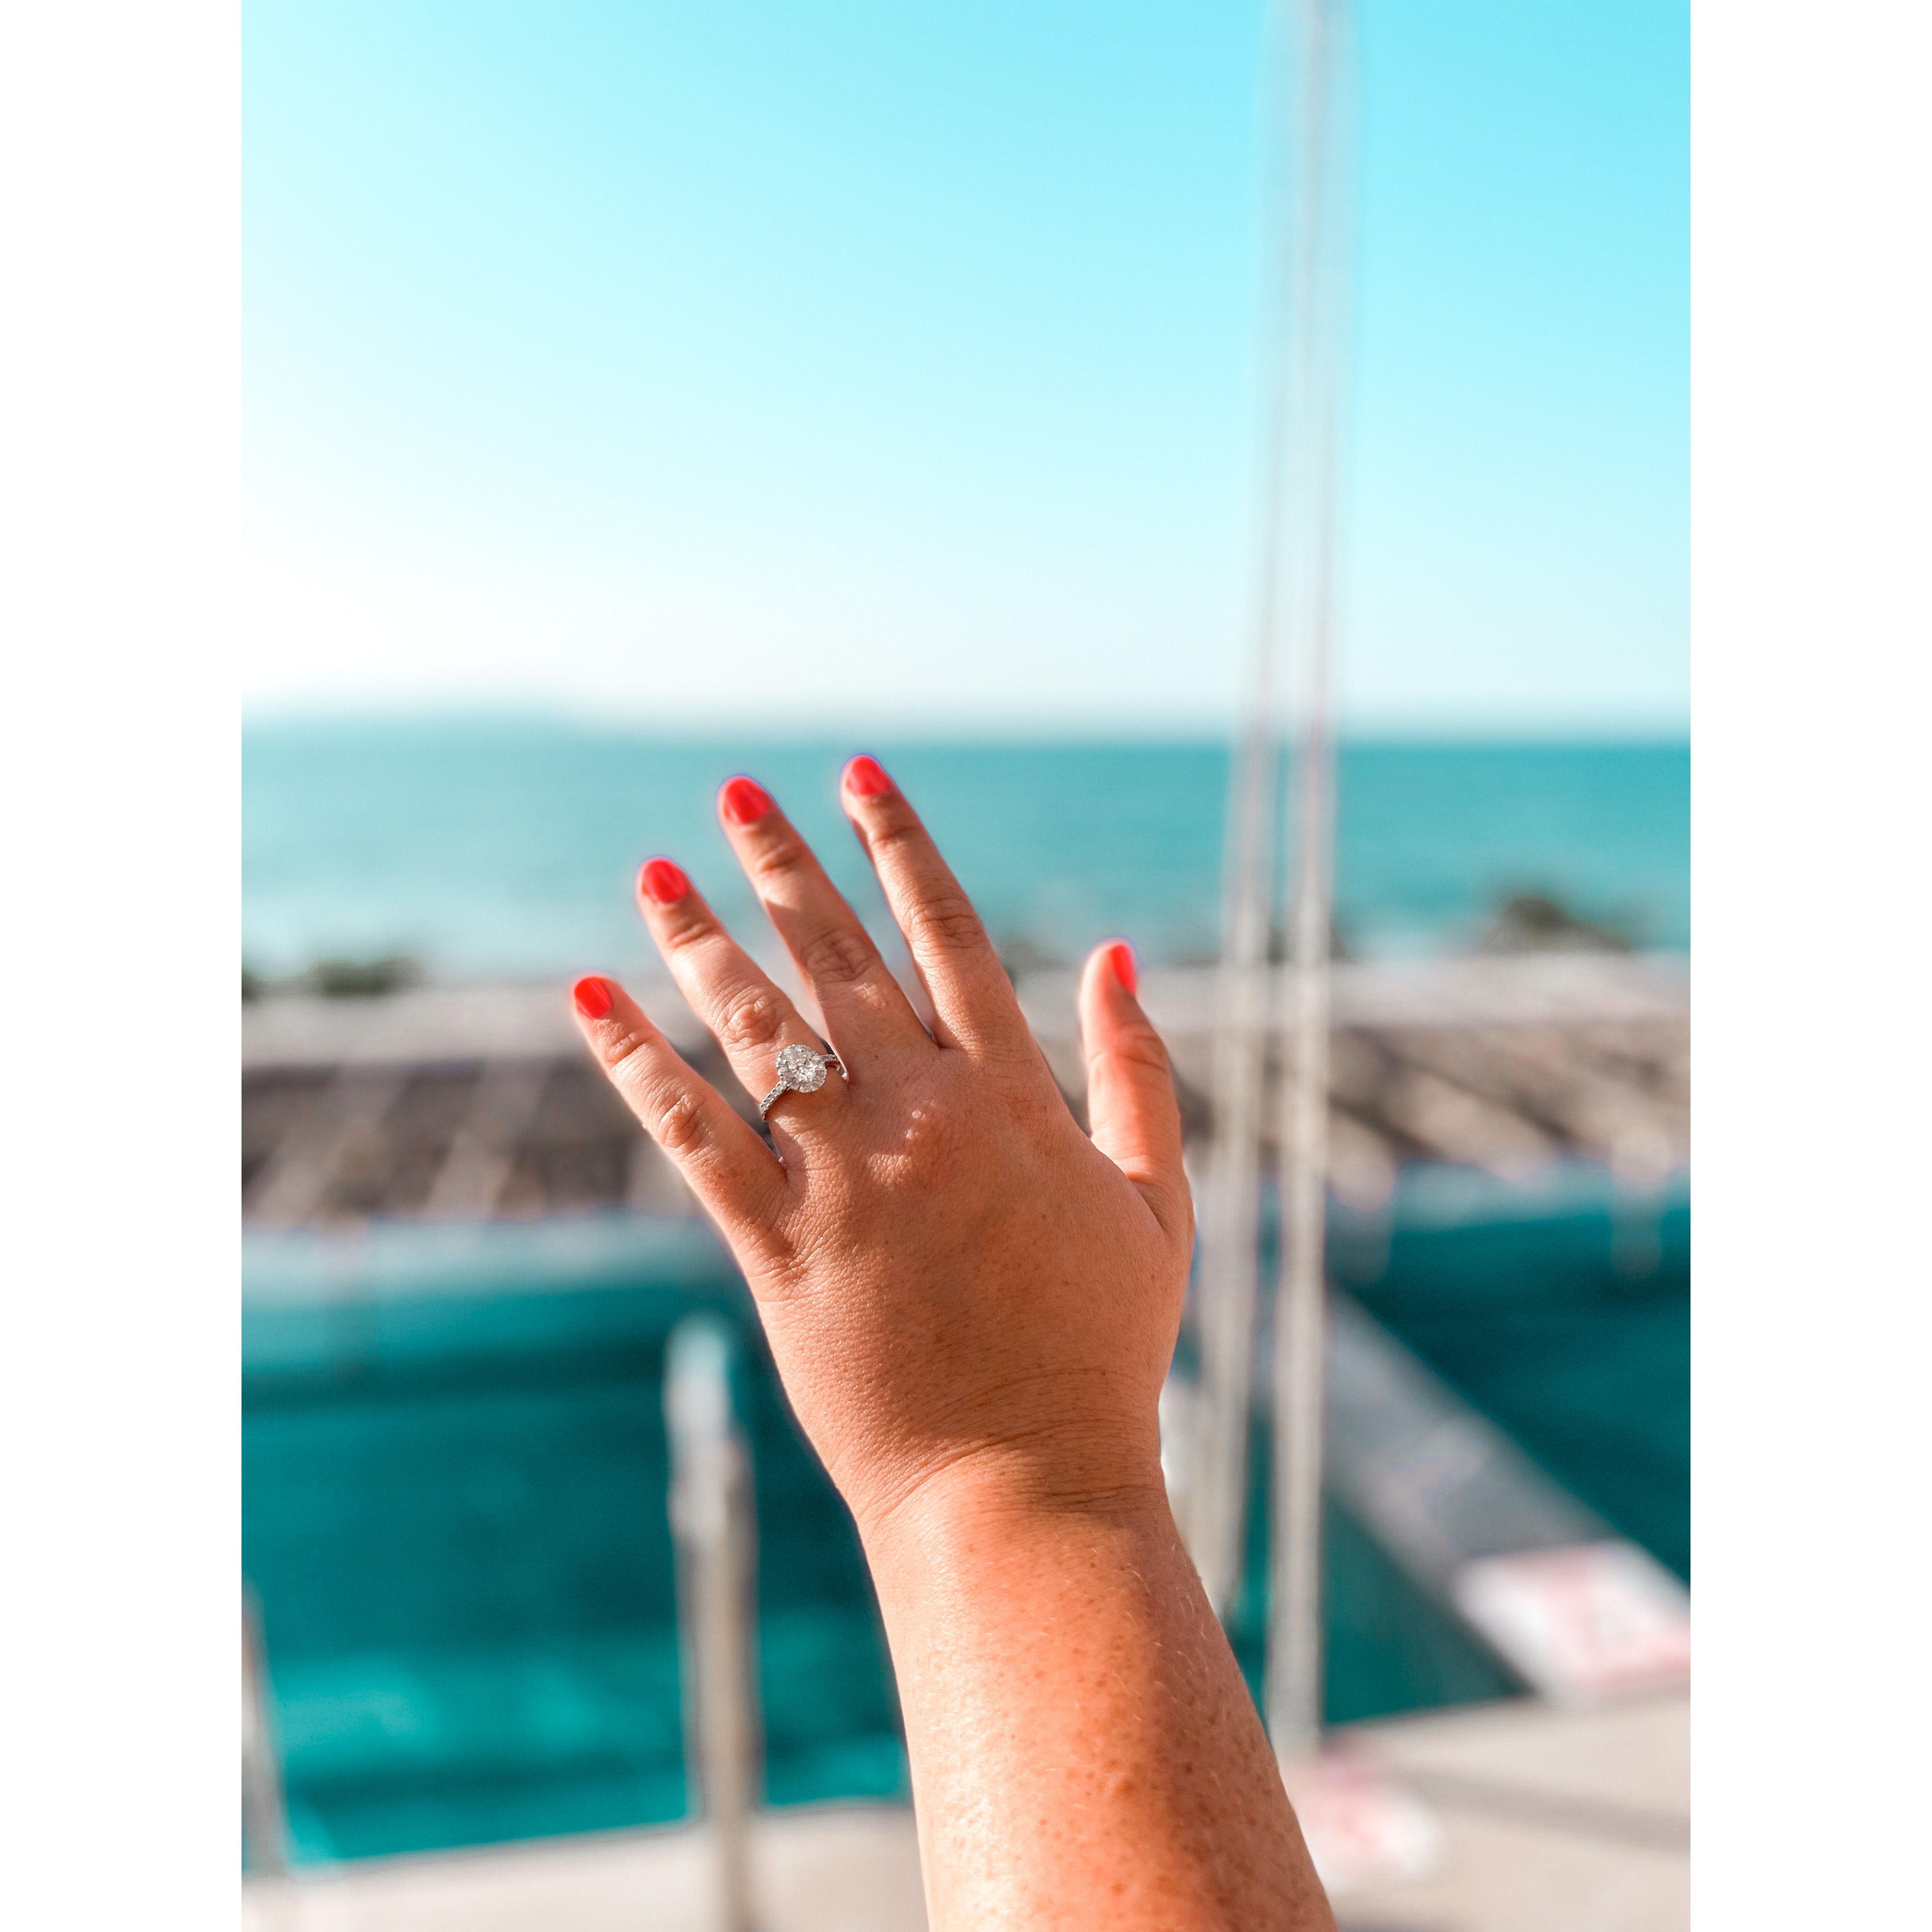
(945, 922)
(749, 1020)
(925, 1152)
(677, 1124)
(837, 956)
(1144, 1050)
(896, 832)
(686, 934)
(672, 1114)
(779, 858)
(902, 844)
(627, 1057)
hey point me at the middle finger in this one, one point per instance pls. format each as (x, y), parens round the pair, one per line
(865, 1007)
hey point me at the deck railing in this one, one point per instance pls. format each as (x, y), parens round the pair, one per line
(714, 1534)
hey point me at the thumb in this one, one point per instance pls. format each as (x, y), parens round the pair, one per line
(1131, 1106)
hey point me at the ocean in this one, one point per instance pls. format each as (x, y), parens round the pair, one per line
(491, 848)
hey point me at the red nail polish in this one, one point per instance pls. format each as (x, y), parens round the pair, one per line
(662, 883)
(1126, 968)
(593, 997)
(744, 802)
(867, 778)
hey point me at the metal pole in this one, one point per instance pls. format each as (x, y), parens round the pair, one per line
(1294, 1664)
(1227, 1283)
(264, 1821)
(1230, 1259)
(712, 1525)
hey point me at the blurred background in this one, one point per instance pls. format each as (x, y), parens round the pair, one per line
(634, 395)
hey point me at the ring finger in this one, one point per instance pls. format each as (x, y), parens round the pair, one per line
(747, 1015)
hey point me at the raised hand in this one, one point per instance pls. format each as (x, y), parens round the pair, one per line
(948, 1268)
(972, 1304)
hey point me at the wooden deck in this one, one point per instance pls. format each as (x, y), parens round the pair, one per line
(479, 1103)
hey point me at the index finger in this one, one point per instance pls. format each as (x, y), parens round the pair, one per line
(972, 998)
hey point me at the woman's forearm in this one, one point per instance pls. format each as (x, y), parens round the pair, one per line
(1084, 1749)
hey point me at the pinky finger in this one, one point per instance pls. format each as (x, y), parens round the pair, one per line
(724, 1163)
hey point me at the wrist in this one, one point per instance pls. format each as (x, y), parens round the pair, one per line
(979, 1506)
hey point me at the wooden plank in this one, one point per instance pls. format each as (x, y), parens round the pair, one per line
(296, 1182)
(483, 1151)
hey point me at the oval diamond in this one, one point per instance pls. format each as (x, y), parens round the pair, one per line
(800, 1069)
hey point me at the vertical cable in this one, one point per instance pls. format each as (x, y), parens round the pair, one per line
(1228, 1279)
(1322, 312)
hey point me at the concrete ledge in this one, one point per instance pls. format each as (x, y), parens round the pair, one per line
(1576, 1820)
(829, 1869)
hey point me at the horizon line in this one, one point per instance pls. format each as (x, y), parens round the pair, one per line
(705, 726)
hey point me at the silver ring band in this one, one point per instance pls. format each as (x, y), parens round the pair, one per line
(800, 1069)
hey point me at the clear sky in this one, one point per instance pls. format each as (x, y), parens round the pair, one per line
(697, 364)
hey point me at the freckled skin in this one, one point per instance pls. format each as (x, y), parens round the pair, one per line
(972, 1304)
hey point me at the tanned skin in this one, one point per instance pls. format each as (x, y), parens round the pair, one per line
(973, 1304)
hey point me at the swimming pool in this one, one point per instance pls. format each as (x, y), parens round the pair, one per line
(454, 1506)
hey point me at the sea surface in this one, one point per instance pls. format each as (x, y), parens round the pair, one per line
(500, 848)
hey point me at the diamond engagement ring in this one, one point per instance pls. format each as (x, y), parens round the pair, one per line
(800, 1070)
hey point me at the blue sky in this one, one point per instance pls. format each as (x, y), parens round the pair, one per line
(876, 363)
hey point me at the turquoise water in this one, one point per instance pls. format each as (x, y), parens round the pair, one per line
(501, 847)
(455, 1475)
(1561, 1310)
(454, 1506)
(454, 1456)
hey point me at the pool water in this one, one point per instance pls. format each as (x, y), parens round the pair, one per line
(454, 1521)
(1562, 1310)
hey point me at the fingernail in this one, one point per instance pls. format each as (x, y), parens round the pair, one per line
(867, 778)
(745, 802)
(1126, 968)
(593, 997)
(662, 883)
